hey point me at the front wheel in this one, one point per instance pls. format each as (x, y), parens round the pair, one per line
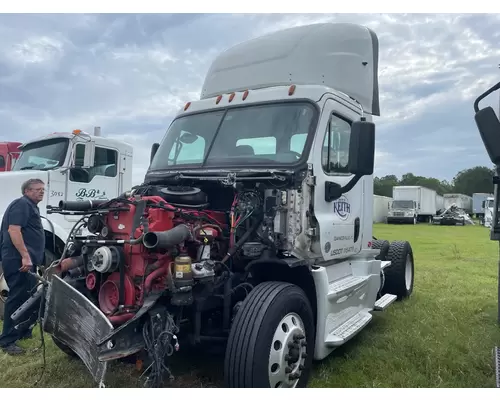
(271, 342)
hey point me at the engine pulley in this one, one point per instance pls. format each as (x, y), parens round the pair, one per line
(106, 259)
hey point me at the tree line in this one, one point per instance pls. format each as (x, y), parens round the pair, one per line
(472, 180)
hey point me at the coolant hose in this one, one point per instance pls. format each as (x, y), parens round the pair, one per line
(166, 239)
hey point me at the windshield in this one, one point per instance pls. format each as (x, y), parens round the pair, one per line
(489, 203)
(272, 134)
(45, 154)
(402, 204)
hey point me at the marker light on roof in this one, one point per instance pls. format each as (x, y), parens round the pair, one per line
(187, 105)
(291, 90)
(77, 131)
(231, 97)
(219, 98)
(245, 95)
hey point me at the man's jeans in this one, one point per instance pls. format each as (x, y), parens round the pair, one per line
(20, 287)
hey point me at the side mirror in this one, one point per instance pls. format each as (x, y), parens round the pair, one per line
(154, 149)
(87, 157)
(362, 148)
(489, 128)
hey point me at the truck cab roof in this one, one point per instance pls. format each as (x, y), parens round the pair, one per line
(340, 56)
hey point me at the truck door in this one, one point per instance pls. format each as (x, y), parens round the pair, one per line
(341, 220)
(99, 182)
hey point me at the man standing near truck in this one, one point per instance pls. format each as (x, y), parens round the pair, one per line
(22, 244)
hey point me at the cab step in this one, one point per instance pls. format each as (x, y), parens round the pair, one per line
(496, 361)
(348, 329)
(346, 285)
(385, 301)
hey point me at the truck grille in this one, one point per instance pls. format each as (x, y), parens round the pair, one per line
(399, 214)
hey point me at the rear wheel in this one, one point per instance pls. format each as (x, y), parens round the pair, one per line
(383, 246)
(271, 342)
(399, 275)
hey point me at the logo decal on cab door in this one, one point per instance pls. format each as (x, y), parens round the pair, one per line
(342, 208)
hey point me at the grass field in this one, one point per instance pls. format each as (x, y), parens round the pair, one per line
(441, 337)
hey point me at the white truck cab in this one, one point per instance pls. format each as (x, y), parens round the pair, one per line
(487, 206)
(73, 166)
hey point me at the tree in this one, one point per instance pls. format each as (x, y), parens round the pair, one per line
(474, 180)
(468, 181)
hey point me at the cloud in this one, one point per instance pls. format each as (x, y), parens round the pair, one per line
(130, 74)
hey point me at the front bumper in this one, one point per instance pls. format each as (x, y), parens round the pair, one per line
(400, 219)
(76, 322)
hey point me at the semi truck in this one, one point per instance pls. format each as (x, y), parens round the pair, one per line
(253, 227)
(75, 166)
(412, 204)
(460, 200)
(9, 153)
(478, 200)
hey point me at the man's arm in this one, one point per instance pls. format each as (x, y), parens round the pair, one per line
(18, 219)
(18, 241)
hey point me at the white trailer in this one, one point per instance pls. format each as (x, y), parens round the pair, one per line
(460, 200)
(412, 204)
(478, 200)
(439, 202)
(380, 208)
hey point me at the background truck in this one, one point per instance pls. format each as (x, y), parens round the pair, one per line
(488, 211)
(253, 227)
(412, 204)
(462, 201)
(9, 153)
(74, 166)
(478, 204)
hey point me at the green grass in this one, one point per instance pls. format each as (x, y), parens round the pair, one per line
(441, 337)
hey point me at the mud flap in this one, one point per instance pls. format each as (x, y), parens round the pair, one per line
(76, 322)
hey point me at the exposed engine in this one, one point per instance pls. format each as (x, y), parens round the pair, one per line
(174, 242)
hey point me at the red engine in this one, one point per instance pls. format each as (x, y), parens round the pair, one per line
(145, 248)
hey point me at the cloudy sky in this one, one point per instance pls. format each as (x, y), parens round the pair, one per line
(129, 74)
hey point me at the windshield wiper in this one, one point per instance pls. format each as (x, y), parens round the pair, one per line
(27, 167)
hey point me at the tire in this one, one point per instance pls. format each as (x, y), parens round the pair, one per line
(399, 276)
(383, 245)
(257, 331)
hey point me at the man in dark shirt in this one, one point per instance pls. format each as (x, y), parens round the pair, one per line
(22, 248)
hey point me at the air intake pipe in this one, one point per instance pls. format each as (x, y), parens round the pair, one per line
(166, 239)
(84, 205)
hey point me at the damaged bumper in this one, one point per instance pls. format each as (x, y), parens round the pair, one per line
(76, 322)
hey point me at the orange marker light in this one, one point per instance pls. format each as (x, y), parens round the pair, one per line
(291, 90)
(76, 131)
(245, 95)
(219, 98)
(187, 105)
(231, 97)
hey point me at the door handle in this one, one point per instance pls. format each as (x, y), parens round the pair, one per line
(356, 229)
